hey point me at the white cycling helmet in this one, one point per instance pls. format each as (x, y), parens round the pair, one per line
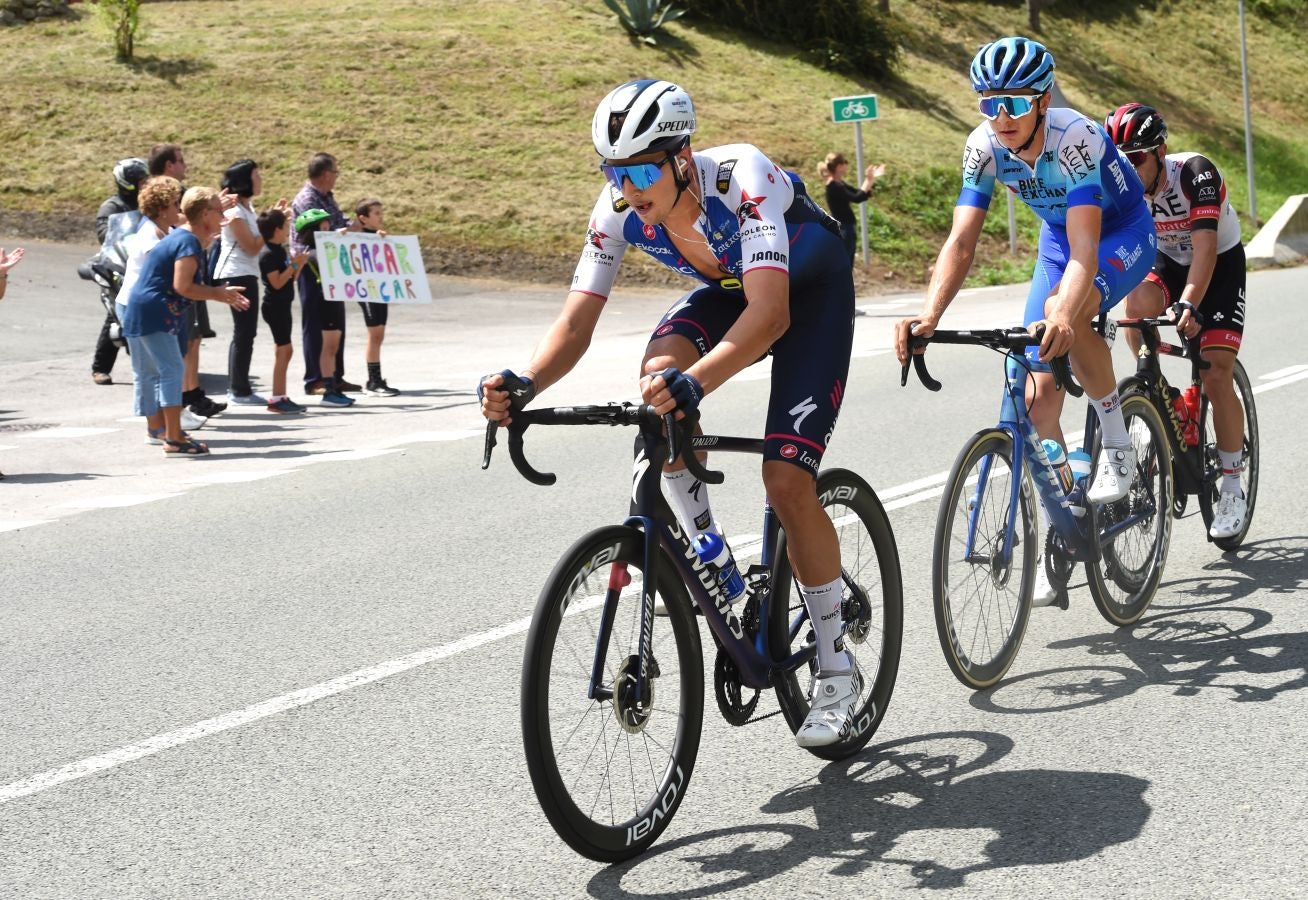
(640, 117)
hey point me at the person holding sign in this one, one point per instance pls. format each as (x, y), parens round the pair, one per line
(371, 218)
(327, 318)
(774, 279)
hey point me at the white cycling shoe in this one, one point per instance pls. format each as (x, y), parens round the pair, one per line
(1113, 478)
(831, 716)
(1044, 593)
(1229, 517)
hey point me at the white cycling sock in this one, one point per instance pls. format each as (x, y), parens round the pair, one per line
(690, 500)
(1111, 422)
(1232, 466)
(823, 605)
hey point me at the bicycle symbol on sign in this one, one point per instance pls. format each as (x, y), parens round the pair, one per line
(854, 109)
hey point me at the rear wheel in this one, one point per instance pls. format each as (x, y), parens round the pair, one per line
(611, 770)
(1134, 532)
(1211, 490)
(872, 608)
(981, 582)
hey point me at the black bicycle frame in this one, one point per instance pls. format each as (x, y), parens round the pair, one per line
(650, 514)
(1149, 378)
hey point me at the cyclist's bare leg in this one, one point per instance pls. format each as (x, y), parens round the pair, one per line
(1228, 415)
(1146, 301)
(1046, 405)
(810, 537)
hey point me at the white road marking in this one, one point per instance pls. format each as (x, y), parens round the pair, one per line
(421, 437)
(67, 433)
(235, 477)
(118, 500)
(15, 524)
(1281, 373)
(7, 447)
(346, 455)
(91, 765)
(1281, 382)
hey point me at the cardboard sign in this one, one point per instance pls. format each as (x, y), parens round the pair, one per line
(367, 268)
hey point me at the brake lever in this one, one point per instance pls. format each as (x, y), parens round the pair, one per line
(489, 445)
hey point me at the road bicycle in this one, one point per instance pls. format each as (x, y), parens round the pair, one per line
(1196, 467)
(986, 550)
(613, 697)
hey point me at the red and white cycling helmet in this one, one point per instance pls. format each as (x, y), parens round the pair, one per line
(1135, 126)
(641, 117)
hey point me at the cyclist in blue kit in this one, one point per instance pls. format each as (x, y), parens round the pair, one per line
(1096, 237)
(776, 279)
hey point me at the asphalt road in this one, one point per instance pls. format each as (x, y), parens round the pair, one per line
(292, 670)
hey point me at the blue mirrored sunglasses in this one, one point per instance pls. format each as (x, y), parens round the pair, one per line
(1015, 105)
(641, 175)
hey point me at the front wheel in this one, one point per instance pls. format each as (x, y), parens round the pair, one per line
(983, 565)
(1133, 533)
(872, 609)
(1211, 491)
(610, 770)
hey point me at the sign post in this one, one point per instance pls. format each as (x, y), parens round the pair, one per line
(857, 110)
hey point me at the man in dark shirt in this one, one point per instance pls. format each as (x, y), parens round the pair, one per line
(128, 175)
(317, 194)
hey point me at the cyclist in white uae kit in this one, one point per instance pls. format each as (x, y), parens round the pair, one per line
(1096, 242)
(1200, 263)
(775, 280)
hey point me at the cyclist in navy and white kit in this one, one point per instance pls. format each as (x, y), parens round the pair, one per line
(1096, 240)
(1200, 262)
(776, 279)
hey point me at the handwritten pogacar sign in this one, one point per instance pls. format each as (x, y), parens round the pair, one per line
(368, 268)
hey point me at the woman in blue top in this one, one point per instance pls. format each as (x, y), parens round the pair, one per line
(157, 313)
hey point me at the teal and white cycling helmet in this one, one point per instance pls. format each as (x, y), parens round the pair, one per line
(641, 117)
(1013, 63)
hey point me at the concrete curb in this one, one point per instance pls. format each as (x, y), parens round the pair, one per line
(1284, 239)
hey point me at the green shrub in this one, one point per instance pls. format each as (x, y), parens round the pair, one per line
(124, 19)
(644, 17)
(843, 35)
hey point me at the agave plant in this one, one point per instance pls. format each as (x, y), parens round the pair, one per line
(644, 17)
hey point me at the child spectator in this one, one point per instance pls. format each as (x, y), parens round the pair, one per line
(323, 320)
(370, 216)
(278, 269)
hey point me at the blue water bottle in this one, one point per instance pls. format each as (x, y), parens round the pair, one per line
(717, 555)
(1081, 464)
(1058, 459)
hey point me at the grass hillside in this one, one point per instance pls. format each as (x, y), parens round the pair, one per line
(470, 118)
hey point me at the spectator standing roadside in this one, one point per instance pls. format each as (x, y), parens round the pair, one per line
(128, 175)
(370, 215)
(317, 194)
(279, 269)
(840, 195)
(169, 160)
(329, 315)
(157, 319)
(238, 264)
(7, 262)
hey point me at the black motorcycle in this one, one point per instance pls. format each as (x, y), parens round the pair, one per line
(108, 267)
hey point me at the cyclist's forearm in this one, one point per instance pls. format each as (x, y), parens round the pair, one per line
(1077, 298)
(952, 266)
(745, 342)
(565, 342)
(1201, 269)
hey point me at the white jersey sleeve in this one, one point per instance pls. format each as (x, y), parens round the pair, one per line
(604, 247)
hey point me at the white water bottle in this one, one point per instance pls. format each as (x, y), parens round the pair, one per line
(715, 552)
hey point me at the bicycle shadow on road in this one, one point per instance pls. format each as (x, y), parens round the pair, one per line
(1205, 642)
(926, 793)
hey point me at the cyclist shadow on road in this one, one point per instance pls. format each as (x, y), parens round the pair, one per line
(922, 803)
(1202, 638)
